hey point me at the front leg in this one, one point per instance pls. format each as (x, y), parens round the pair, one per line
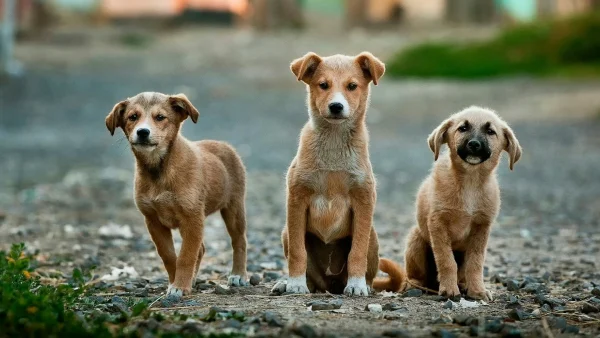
(296, 231)
(163, 241)
(191, 230)
(474, 260)
(363, 203)
(441, 245)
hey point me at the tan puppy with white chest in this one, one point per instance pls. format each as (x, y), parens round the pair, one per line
(458, 202)
(178, 183)
(329, 239)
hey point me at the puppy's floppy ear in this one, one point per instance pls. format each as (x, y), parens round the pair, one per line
(371, 66)
(438, 137)
(304, 68)
(512, 147)
(182, 105)
(115, 117)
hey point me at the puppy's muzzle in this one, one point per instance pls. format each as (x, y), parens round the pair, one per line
(474, 151)
(142, 138)
(336, 110)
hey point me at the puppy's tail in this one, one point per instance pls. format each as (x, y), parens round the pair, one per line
(396, 280)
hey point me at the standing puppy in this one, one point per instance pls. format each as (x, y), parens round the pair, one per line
(458, 202)
(178, 183)
(329, 239)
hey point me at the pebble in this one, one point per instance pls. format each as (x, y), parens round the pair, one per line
(517, 314)
(203, 286)
(304, 331)
(396, 333)
(255, 279)
(450, 305)
(325, 305)
(510, 331)
(512, 285)
(413, 293)
(441, 319)
(497, 279)
(192, 329)
(571, 329)
(596, 291)
(223, 290)
(231, 323)
(271, 276)
(494, 325)
(513, 303)
(553, 302)
(589, 308)
(394, 307)
(534, 288)
(557, 323)
(465, 320)
(272, 319)
(375, 308)
(444, 334)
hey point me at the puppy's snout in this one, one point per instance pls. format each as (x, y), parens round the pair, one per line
(474, 145)
(336, 108)
(143, 133)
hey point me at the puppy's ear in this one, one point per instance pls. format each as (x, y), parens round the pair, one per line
(182, 105)
(438, 137)
(304, 68)
(115, 117)
(372, 67)
(512, 147)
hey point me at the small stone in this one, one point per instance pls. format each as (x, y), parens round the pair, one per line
(533, 288)
(510, 331)
(512, 285)
(536, 313)
(223, 290)
(255, 279)
(553, 302)
(325, 306)
(557, 323)
(305, 331)
(191, 329)
(128, 287)
(449, 305)
(547, 276)
(270, 276)
(394, 307)
(494, 325)
(396, 333)
(571, 329)
(231, 323)
(272, 319)
(413, 293)
(441, 319)
(513, 303)
(517, 314)
(375, 308)
(203, 286)
(465, 320)
(496, 279)
(589, 308)
(595, 301)
(444, 333)
(596, 291)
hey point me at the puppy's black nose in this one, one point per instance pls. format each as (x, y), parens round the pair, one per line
(336, 108)
(474, 145)
(143, 133)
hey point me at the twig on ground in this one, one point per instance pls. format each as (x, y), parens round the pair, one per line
(156, 300)
(423, 288)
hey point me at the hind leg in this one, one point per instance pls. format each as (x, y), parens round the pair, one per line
(415, 258)
(235, 220)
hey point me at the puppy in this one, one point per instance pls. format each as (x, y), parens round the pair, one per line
(329, 240)
(178, 183)
(458, 202)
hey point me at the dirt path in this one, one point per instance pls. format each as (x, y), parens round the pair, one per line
(64, 179)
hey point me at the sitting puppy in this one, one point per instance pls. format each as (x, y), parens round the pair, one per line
(329, 239)
(458, 202)
(178, 183)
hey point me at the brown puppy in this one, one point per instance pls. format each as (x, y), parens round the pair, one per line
(329, 239)
(458, 202)
(178, 183)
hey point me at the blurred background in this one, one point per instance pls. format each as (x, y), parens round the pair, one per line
(65, 63)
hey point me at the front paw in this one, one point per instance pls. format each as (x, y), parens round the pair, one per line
(356, 286)
(481, 294)
(177, 293)
(237, 280)
(449, 290)
(296, 285)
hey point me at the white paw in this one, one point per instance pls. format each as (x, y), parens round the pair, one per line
(173, 292)
(237, 280)
(356, 286)
(296, 285)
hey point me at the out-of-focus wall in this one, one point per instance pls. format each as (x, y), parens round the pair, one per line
(430, 10)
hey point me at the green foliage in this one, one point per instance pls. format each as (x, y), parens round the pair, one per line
(565, 47)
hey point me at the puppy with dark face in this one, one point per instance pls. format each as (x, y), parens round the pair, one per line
(178, 183)
(458, 203)
(329, 239)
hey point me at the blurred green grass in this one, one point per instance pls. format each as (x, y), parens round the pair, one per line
(568, 47)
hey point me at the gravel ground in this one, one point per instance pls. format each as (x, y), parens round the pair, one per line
(66, 185)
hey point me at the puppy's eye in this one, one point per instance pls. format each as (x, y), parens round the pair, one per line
(463, 128)
(133, 117)
(160, 117)
(352, 86)
(324, 85)
(491, 132)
